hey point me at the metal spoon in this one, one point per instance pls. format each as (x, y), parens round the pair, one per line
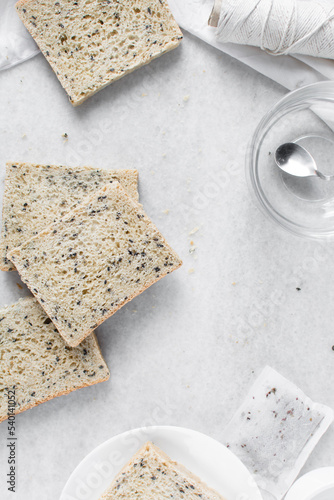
(296, 160)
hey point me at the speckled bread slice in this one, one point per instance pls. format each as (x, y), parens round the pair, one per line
(37, 361)
(152, 475)
(35, 195)
(94, 260)
(91, 43)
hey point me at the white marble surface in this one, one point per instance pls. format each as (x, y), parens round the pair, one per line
(186, 351)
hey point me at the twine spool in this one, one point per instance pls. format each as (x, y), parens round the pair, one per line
(277, 26)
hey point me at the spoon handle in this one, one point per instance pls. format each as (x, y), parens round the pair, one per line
(324, 176)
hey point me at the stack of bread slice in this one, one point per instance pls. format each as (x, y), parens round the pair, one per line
(83, 245)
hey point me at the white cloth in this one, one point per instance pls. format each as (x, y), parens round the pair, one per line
(290, 71)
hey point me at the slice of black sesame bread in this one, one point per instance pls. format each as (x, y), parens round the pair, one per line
(151, 474)
(37, 361)
(91, 43)
(35, 195)
(95, 259)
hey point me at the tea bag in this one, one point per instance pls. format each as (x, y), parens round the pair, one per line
(275, 430)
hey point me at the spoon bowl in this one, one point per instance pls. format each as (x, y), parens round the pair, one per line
(297, 161)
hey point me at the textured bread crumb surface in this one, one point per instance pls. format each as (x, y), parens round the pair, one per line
(151, 474)
(36, 360)
(90, 43)
(87, 265)
(36, 195)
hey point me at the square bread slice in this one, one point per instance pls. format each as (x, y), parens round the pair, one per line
(91, 43)
(36, 195)
(152, 475)
(37, 361)
(95, 259)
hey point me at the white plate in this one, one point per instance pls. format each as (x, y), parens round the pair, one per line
(204, 456)
(316, 485)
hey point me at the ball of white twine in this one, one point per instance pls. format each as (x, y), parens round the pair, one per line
(279, 26)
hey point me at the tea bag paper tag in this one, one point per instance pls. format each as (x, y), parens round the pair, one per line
(274, 432)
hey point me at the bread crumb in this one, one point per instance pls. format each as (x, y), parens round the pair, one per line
(234, 283)
(166, 212)
(186, 98)
(144, 95)
(24, 136)
(191, 270)
(192, 243)
(19, 286)
(193, 231)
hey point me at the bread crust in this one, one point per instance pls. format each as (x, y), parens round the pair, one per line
(29, 303)
(56, 395)
(11, 255)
